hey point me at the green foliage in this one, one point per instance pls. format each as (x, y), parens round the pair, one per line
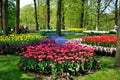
(41, 16)
(72, 14)
(31, 64)
(27, 16)
(11, 13)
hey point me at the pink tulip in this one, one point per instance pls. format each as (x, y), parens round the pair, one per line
(51, 65)
(63, 74)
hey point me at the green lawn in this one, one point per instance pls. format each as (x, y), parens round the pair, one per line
(10, 71)
(72, 36)
(108, 72)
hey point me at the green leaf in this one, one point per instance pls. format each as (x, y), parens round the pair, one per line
(71, 69)
(41, 67)
(82, 66)
(77, 67)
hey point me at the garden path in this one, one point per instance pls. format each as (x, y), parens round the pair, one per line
(58, 39)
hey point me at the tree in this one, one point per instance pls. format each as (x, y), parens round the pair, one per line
(11, 13)
(36, 19)
(47, 14)
(116, 12)
(17, 15)
(98, 15)
(82, 14)
(62, 16)
(58, 24)
(1, 15)
(27, 16)
(5, 17)
(117, 56)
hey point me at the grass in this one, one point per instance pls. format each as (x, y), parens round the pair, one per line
(108, 72)
(10, 71)
(104, 74)
(72, 36)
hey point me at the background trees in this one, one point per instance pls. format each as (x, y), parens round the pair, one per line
(17, 16)
(36, 19)
(27, 16)
(11, 13)
(90, 14)
(47, 14)
(75, 13)
(5, 17)
(117, 56)
(116, 12)
(82, 13)
(0, 14)
(58, 24)
(93, 15)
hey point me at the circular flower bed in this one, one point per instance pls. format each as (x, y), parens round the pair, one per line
(51, 58)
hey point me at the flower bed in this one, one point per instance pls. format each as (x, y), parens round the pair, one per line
(76, 29)
(20, 39)
(103, 40)
(99, 50)
(95, 32)
(51, 58)
(74, 41)
(12, 44)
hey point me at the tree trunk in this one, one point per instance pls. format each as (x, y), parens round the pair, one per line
(116, 12)
(86, 21)
(62, 17)
(1, 28)
(5, 17)
(82, 14)
(58, 24)
(117, 56)
(17, 16)
(38, 2)
(98, 15)
(36, 19)
(47, 14)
